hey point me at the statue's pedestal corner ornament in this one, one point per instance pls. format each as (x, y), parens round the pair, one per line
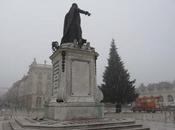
(55, 46)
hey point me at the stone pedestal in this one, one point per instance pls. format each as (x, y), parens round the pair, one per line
(75, 111)
(74, 93)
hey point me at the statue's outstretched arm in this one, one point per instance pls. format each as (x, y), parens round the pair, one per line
(84, 12)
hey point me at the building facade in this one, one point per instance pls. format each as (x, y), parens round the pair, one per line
(34, 89)
(164, 90)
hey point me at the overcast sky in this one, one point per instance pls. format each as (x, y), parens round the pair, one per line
(144, 31)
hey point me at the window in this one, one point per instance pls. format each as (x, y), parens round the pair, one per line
(170, 98)
(39, 88)
(49, 76)
(38, 102)
(40, 75)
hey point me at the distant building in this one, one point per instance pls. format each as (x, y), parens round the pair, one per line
(34, 89)
(165, 90)
(3, 90)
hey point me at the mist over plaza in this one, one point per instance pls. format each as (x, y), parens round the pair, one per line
(76, 64)
(143, 32)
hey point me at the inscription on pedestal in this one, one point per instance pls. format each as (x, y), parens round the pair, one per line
(80, 75)
(56, 77)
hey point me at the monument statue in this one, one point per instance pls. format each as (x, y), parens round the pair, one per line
(72, 30)
(75, 94)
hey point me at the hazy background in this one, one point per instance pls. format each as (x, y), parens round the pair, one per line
(144, 31)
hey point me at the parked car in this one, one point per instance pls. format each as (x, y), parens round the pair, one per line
(147, 104)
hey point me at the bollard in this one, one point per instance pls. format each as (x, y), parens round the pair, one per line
(174, 116)
(165, 117)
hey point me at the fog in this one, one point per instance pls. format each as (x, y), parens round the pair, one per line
(144, 31)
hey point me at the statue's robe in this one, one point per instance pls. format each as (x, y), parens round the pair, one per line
(72, 29)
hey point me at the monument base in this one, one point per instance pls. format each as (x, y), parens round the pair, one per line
(26, 123)
(75, 94)
(75, 111)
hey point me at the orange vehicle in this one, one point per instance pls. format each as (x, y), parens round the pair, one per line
(149, 104)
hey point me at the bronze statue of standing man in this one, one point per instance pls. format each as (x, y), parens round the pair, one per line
(72, 30)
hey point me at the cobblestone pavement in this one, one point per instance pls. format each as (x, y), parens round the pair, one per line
(1, 121)
(155, 121)
(153, 125)
(1, 125)
(167, 117)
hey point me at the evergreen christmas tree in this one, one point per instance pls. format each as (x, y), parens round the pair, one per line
(117, 87)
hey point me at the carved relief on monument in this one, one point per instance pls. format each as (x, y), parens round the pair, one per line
(56, 77)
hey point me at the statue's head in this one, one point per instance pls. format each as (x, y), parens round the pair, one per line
(74, 5)
(73, 8)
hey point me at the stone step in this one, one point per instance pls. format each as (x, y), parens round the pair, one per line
(104, 124)
(15, 126)
(6, 126)
(142, 128)
(25, 124)
(116, 127)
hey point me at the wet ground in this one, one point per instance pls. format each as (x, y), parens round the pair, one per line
(158, 125)
(155, 121)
